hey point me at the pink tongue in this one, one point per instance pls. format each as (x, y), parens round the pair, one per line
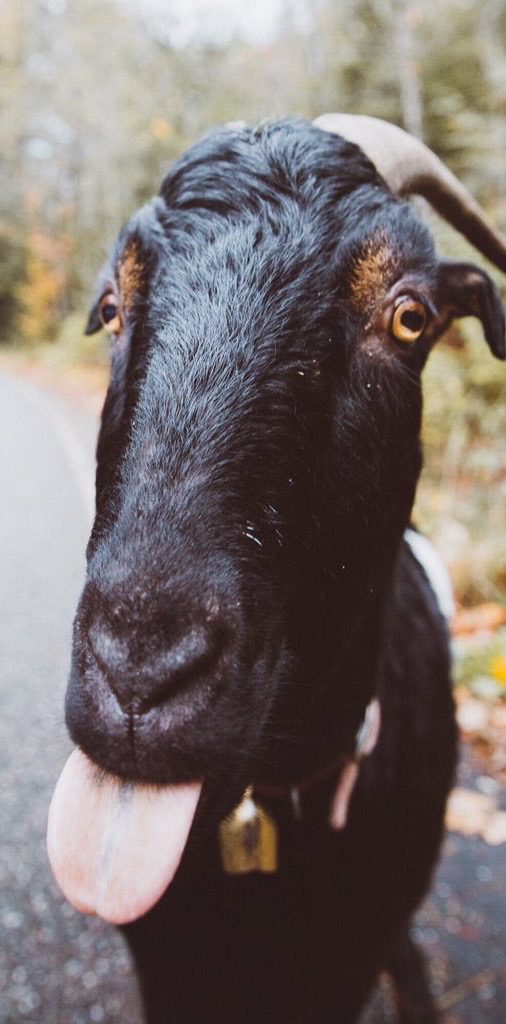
(115, 847)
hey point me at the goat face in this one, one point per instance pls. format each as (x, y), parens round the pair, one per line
(271, 312)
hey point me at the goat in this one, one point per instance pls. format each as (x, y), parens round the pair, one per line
(251, 608)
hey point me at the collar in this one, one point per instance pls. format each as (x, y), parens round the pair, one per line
(365, 742)
(348, 767)
(248, 837)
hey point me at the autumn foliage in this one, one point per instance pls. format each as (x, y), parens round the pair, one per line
(42, 293)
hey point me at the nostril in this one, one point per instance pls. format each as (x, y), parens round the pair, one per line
(144, 669)
(187, 661)
(110, 651)
(194, 651)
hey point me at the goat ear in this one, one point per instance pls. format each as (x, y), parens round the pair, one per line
(94, 322)
(465, 290)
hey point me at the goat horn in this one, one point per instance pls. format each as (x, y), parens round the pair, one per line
(408, 165)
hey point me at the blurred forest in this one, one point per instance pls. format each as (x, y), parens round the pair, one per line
(97, 99)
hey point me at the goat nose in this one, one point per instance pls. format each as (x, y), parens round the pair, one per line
(147, 672)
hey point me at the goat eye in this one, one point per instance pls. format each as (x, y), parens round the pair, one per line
(409, 320)
(109, 314)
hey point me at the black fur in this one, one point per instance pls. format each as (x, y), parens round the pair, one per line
(248, 588)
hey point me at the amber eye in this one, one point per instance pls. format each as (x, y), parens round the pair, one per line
(409, 320)
(110, 314)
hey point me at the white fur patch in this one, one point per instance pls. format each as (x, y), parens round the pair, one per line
(435, 570)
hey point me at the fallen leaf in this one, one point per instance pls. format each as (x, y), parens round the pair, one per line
(484, 618)
(495, 829)
(472, 716)
(475, 814)
(468, 812)
(498, 669)
(498, 717)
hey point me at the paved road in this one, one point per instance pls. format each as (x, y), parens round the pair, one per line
(56, 966)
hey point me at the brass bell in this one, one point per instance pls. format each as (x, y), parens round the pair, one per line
(248, 839)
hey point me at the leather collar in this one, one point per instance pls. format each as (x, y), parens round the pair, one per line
(347, 767)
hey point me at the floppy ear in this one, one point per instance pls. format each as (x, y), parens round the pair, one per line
(94, 322)
(465, 290)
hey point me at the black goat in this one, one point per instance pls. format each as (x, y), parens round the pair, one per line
(249, 596)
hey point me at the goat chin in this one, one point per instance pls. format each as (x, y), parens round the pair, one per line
(114, 847)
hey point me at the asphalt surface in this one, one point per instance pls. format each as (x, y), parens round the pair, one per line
(57, 966)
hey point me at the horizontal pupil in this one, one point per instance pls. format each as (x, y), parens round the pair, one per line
(412, 320)
(109, 312)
